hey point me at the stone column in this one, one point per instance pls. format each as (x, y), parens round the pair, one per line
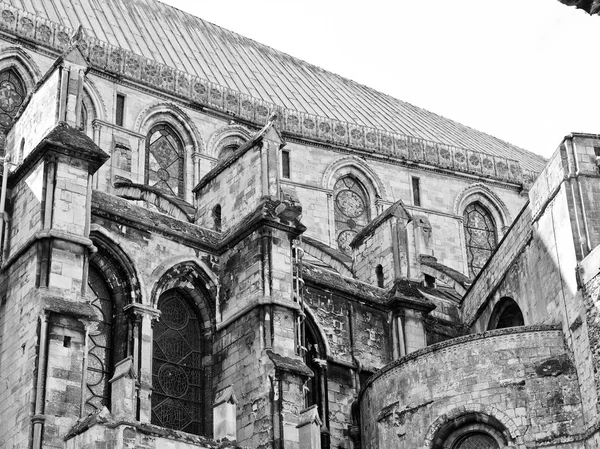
(145, 316)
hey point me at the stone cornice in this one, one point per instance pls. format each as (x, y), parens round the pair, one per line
(124, 64)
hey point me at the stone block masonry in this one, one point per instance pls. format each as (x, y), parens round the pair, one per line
(523, 377)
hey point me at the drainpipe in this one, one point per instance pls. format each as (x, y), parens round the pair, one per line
(40, 394)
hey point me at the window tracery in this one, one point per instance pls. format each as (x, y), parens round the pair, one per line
(178, 377)
(165, 160)
(351, 210)
(477, 440)
(100, 345)
(480, 236)
(12, 95)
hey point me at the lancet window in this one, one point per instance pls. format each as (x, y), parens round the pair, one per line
(480, 236)
(351, 210)
(165, 160)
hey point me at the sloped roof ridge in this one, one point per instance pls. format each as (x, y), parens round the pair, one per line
(127, 63)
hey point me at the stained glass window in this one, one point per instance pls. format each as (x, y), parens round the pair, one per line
(179, 382)
(480, 237)
(12, 94)
(100, 345)
(476, 441)
(351, 211)
(164, 160)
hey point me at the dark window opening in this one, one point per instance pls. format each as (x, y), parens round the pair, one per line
(507, 313)
(217, 217)
(21, 149)
(416, 188)
(120, 110)
(379, 274)
(285, 164)
(429, 281)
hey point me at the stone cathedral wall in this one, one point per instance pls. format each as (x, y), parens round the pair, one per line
(503, 375)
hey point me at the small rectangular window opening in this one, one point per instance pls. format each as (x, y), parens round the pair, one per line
(120, 111)
(67, 341)
(416, 189)
(285, 164)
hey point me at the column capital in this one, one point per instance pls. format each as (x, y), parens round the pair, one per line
(140, 310)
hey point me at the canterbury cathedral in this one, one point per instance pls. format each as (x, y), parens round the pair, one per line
(207, 243)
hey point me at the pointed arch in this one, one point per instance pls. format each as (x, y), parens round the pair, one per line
(318, 330)
(185, 141)
(192, 276)
(111, 285)
(93, 99)
(506, 313)
(176, 118)
(183, 337)
(229, 136)
(488, 198)
(352, 165)
(25, 66)
(102, 238)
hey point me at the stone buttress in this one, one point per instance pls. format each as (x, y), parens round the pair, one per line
(257, 311)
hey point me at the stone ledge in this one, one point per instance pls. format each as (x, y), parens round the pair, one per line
(128, 431)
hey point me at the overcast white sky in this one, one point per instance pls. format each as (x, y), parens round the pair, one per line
(522, 70)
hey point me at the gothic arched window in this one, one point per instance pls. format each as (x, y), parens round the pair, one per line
(12, 94)
(351, 210)
(480, 236)
(179, 382)
(108, 340)
(165, 160)
(379, 274)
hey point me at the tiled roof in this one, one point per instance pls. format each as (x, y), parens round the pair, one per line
(179, 40)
